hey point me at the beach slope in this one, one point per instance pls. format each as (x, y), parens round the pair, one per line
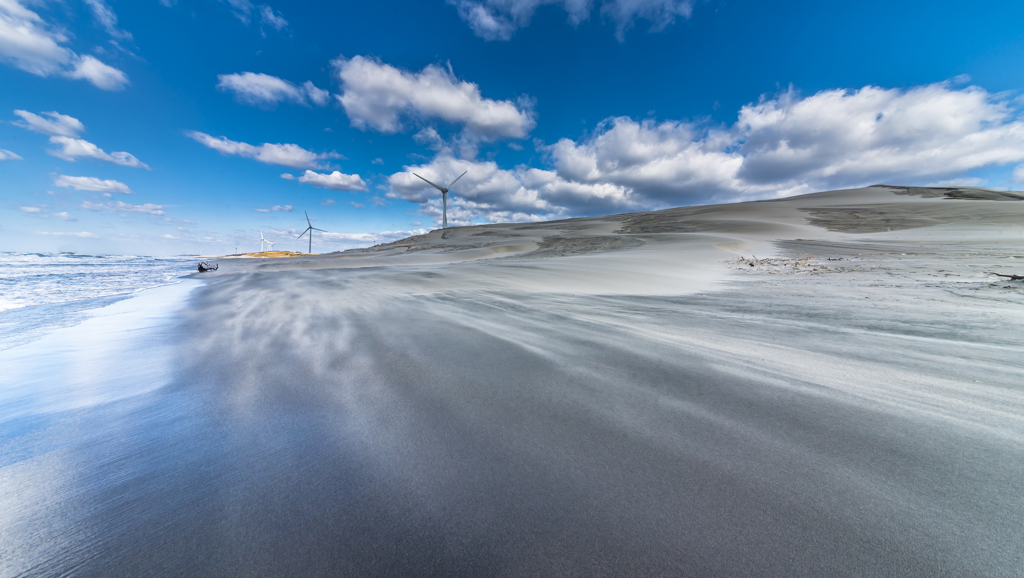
(825, 385)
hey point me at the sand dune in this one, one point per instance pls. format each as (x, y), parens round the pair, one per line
(827, 385)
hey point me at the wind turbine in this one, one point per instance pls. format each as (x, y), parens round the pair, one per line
(261, 241)
(444, 197)
(309, 230)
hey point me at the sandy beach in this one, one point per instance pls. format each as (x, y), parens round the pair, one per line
(824, 385)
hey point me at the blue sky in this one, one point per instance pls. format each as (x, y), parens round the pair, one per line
(169, 127)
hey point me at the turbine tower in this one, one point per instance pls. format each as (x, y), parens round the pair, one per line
(444, 197)
(310, 230)
(261, 241)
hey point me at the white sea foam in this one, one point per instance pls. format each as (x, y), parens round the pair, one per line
(45, 278)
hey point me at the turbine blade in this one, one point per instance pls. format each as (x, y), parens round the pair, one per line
(457, 179)
(315, 229)
(303, 233)
(430, 183)
(307, 219)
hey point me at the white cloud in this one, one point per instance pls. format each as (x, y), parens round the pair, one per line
(317, 96)
(275, 208)
(840, 138)
(272, 18)
(379, 96)
(499, 19)
(64, 130)
(660, 13)
(244, 9)
(288, 176)
(377, 161)
(1018, 174)
(336, 181)
(288, 155)
(28, 209)
(75, 148)
(26, 42)
(91, 184)
(265, 90)
(352, 240)
(778, 147)
(106, 17)
(961, 182)
(56, 125)
(486, 191)
(102, 75)
(6, 155)
(30, 44)
(65, 216)
(327, 203)
(122, 207)
(83, 234)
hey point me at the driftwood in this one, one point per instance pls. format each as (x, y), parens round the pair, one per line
(1010, 277)
(205, 266)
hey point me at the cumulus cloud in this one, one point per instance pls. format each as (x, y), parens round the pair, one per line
(55, 125)
(122, 207)
(76, 148)
(288, 155)
(102, 75)
(1018, 174)
(379, 96)
(336, 181)
(779, 146)
(265, 90)
(499, 19)
(6, 155)
(840, 138)
(65, 216)
(64, 130)
(486, 191)
(30, 44)
(91, 184)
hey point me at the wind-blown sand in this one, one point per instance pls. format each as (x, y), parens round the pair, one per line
(627, 395)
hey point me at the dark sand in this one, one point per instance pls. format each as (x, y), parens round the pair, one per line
(551, 410)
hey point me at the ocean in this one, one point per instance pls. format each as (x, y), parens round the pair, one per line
(40, 292)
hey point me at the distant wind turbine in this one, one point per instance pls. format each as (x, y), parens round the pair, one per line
(444, 197)
(310, 230)
(261, 241)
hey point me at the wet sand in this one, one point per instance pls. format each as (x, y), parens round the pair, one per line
(626, 395)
